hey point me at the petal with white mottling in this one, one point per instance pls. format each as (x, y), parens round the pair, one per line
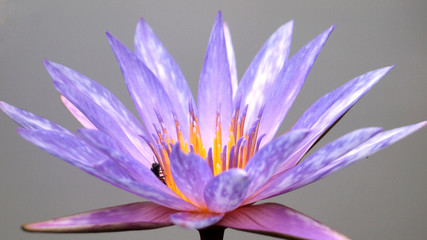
(227, 190)
(281, 182)
(29, 120)
(191, 173)
(77, 152)
(215, 88)
(196, 220)
(107, 123)
(287, 85)
(148, 94)
(328, 109)
(373, 145)
(261, 73)
(266, 161)
(156, 57)
(101, 108)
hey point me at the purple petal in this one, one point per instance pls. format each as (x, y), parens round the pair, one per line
(278, 221)
(373, 145)
(227, 190)
(75, 151)
(114, 150)
(215, 88)
(77, 114)
(147, 92)
(151, 51)
(231, 58)
(261, 73)
(107, 123)
(101, 108)
(287, 85)
(196, 220)
(329, 108)
(133, 216)
(143, 176)
(29, 120)
(280, 183)
(80, 154)
(266, 161)
(191, 173)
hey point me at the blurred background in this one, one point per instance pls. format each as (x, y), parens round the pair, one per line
(382, 197)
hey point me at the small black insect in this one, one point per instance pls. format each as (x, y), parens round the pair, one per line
(158, 171)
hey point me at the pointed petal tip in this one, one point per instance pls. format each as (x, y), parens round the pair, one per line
(108, 34)
(31, 227)
(46, 62)
(219, 17)
(330, 29)
(141, 20)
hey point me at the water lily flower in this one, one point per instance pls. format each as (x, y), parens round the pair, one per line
(204, 167)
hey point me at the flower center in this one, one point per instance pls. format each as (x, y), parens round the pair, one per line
(242, 144)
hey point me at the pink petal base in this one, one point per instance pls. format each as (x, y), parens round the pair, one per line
(279, 221)
(133, 216)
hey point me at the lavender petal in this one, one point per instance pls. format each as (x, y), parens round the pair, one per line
(148, 94)
(227, 190)
(373, 145)
(77, 114)
(261, 73)
(266, 161)
(231, 58)
(329, 108)
(287, 85)
(324, 156)
(101, 108)
(82, 155)
(29, 120)
(107, 123)
(155, 56)
(276, 220)
(133, 216)
(196, 220)
(191, 174)
(215, 88)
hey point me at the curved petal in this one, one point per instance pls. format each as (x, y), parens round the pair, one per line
(150, 98)
(29, 120)
(133, 216)
(324, 156)
(108, 124)
(114, 150)
(287, 85)
(373, 145)
(215, 88)
(261, 73)
(101, 108)
(191, 173)
(76, 113)
(196, 220)
(151, 51)
(266, 161)
(329, 108)
(231, 58)
(227, 190)
(80, 154)
(276, 220)
(75, 151)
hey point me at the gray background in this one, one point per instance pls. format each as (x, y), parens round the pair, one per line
(382, 197)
